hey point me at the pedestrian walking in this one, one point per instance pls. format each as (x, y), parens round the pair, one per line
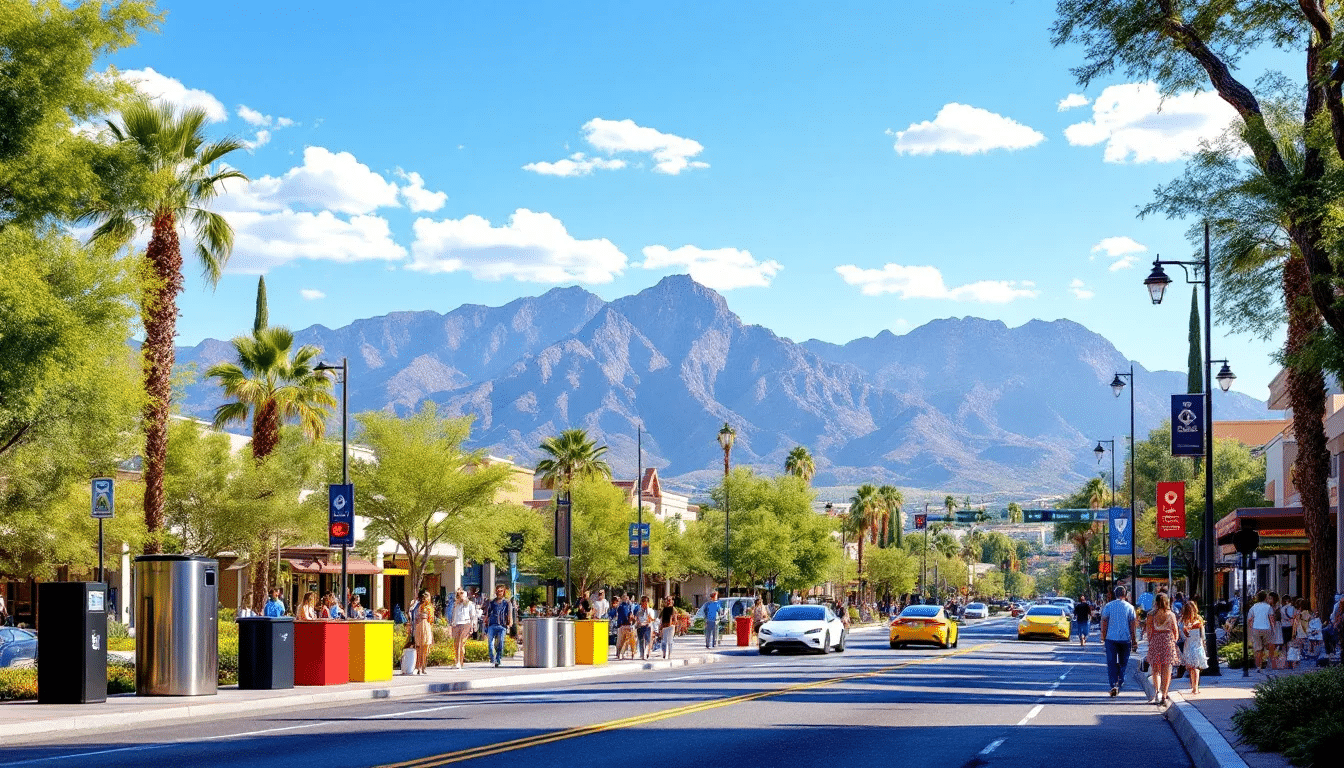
(625, 627)
(713, 610)
(644, 617)
(759, 615)
(422, 630)
(1194, 656)
(1261, 625)
(1119, 633)
(1162, 629)
(1275, 632)
(465, 615)
(667, 622)
(274, 608)
(498, 619)
(1082, 614)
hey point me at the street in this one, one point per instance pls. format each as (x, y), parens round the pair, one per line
(992, 701)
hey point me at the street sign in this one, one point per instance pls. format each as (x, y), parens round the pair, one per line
(921, 522)
(104, 502)
(1104, 566)
(1058, 515)
(341, 515)
(639, 538)
(1187, 425)
(1171, 510)
(1122, 533)
(563, 542)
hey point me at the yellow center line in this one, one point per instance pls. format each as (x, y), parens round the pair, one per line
(488, 750)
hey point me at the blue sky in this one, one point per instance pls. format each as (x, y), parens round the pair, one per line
(834, 169)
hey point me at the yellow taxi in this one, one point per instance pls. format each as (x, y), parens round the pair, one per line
(1045, 621)
(924, 624)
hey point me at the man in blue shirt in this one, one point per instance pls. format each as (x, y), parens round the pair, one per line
(498, 619)
(274, 608)
(1119, 631)
(712, 610)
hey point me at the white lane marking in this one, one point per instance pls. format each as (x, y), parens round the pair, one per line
(1036, 710)
(92, 754)
(410, 712)
(993, 745)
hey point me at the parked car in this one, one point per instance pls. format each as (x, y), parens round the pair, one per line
(924, 624)
(18, 647)
(803, 628)
(975, 611)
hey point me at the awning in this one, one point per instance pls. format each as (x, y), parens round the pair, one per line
(1281, 529)
(354, 565)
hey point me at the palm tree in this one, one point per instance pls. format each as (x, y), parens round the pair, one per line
(182, 177)
(950, 504)
(864, 506)
(273, 387)
(1095, 492)
(799, 463)
(1014, 512)
(571, 455)
(892, 501)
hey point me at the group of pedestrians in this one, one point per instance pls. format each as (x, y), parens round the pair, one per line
(1285, 632)
(1174, 640)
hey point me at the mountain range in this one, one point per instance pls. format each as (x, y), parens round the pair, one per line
(963, 405)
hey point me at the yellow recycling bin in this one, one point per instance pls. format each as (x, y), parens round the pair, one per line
(590, 641)
(370, 651)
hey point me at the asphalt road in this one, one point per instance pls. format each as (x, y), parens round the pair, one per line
(992, 701)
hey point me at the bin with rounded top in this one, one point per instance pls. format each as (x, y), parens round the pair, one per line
(370, 650)
(539, 636)
(590, 642)
(322, 652)
(564, 643)
(743, 631)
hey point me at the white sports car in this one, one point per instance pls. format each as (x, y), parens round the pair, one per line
(803, 627)
(976, 611)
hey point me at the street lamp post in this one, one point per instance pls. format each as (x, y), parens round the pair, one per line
(344, 368)
(1157, 282)
(726, 437)
(1105, 543)
(1118, 385)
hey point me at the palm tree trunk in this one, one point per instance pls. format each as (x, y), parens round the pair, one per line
(265, 430)
(261, 577)
(164, 256)
(1306, 392)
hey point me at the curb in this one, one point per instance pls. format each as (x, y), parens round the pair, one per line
(18, 732)
(1207, 746)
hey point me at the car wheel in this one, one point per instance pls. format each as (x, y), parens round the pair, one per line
(763, 651)
(944, 644)
(826, 643)
(840, 648)
(895, 645)
(956, 640)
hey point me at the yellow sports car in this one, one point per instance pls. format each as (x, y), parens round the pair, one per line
(924, 624)
(1044, 621)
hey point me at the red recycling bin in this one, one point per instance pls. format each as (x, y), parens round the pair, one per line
(743, 631)
(321, 653)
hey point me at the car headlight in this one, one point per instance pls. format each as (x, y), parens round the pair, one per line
(816, 631)
(765, 631)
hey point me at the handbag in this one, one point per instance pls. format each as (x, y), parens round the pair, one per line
(1294, 653)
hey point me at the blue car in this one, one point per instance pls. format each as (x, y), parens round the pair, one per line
(18, 647)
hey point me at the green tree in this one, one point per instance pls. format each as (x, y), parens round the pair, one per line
(1194, 377)
(273, 383)
(181, 174)
(892, 524)
(1014, 512)
(423, 487)
(892, 571)
(864, 508)
(601, 519)
(775, 534)
(800, 464)
(262, 319)
(949, 504)
(570, 455)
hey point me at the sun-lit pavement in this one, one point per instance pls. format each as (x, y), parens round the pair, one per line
(991, 701)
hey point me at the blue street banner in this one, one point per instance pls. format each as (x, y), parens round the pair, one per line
(103, 498)
(639, 538)
(1187, 425)
(341, 515)
(1122, 533)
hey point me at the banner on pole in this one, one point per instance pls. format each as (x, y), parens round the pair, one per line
(562, 529)
(104, 498)
(1171, 510)
(340, 515)
(1187, 425)
(639, 538)
(921, 522)
(1122, 533)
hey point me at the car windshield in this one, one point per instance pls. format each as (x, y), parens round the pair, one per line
(922, 611)
(976, 607)
(1046, 610)
(800, 613)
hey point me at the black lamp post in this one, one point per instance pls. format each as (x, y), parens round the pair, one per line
(726, 437)
(1118, 386)
(1106, 542)
(1157, 282)
(344, 368)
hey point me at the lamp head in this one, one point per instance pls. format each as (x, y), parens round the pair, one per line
(325, 367)
(1117, 385)
(1225, 378)
(726, 437)
(1157, 282)
(1099, 451)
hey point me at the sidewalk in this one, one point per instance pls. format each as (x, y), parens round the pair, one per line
(1204, 722)
(25, 720)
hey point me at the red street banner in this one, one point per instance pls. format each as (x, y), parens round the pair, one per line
(1171, 510)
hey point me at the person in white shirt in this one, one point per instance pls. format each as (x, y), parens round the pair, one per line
(1258, 619)
(465, 616)
(601, 607)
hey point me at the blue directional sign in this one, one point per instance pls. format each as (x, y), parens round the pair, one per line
(103, 498)
(639, 538)
(1187, 425)
(341, 515)
(1122, 533)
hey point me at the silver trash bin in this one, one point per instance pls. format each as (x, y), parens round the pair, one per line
(539, 642)
(564, 643)
(176, 635)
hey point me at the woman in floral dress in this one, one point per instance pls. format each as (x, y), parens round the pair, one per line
(1162, 629)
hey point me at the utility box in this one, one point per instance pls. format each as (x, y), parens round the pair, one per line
(72, 643)
(176, 625)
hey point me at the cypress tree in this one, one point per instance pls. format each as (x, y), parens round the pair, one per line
(262, 320)
(1194, 381)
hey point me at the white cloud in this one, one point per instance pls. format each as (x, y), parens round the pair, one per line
(252, 116)
(1071, 101)
(311, 294)
(1136, 124)
(327, 180)
(923, 282)
(722, 269)
(1080, 290)
(532, 247)
(576, 164)
(1121, 249)
(161, 87)
(671, 154)
(965, 130)
(262, 138)
(265, 240)
(419, 199)
(284, 122)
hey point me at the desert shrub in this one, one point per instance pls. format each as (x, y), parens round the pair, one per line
(228, 660)
(227, 616)
(120, 678)
(1317, 744)
(18, 683)
(116, 630)
(1291, 709)
(121, 644)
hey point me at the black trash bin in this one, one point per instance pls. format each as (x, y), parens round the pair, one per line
(72, 642)
(265, 652)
